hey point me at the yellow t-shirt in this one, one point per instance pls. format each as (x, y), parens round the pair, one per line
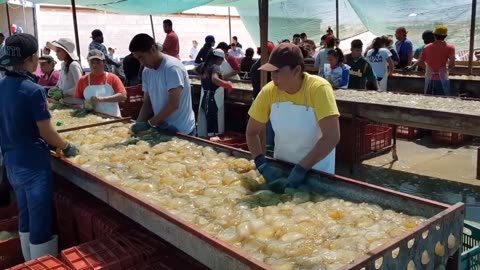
(319, 96)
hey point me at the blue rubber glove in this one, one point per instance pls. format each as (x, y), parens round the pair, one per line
(70, 151)
(297, 176)
(139, 127)
(269, 172)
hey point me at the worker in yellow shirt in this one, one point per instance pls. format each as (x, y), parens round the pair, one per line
(304, 117)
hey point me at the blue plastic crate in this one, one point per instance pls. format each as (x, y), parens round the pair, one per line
(470, 248)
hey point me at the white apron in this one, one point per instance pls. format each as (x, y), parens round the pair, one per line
(105, 90)
(202, 118)
(384, 82)
(226, 68)
(442, 87)
(296, 133)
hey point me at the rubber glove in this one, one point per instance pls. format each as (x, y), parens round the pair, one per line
(269, 172)
(297, 176)
(227, 86)
(139, 127)
(70, 150)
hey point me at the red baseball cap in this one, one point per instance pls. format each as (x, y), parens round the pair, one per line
(270, 47)
(285, 54)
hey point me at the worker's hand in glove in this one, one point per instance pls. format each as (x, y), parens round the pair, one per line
(227, 86)
(70, 150)
(297, 176)
(269, 172)
(139, 127)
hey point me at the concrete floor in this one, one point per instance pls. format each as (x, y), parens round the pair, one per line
(440, 173)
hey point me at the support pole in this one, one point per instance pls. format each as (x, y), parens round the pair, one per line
(263, 19)
(472, 37)
(337, 19)
(229, 25)
(8, 19)
(35, 25)
(75, 29)
(153, 28)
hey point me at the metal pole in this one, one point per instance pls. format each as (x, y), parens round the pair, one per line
(229, 25)
(263, 19)
(35, 26)
(75, 29)
(153, 28)
(337, 19)
(472, 37)
(8, 19)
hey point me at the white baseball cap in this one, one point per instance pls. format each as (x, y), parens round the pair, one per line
(65, 44)
(219, 53)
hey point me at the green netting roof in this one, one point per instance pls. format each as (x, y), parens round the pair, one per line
(287, 17)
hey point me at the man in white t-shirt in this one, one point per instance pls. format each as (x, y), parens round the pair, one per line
(193, 50)
(167, 103)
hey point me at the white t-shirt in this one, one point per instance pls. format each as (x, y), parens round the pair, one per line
(379, 61)
(68, 81)
(321, 60)
(157, 82)
(193, 53)
(237, 53)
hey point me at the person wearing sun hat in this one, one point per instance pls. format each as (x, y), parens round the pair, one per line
(71, 70)
(438, 58)
(25, 133)
(304, 117)
(101, 89)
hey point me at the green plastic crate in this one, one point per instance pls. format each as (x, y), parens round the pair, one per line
(470, 248)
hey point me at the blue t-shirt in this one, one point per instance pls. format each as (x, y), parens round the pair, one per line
(22, 104)
(404, 48)
(157, 82)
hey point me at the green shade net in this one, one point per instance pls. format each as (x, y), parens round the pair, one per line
(287, 17)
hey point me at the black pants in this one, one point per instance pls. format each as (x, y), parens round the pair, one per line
(209, 107)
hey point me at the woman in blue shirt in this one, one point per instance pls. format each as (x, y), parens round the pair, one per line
(25, 133)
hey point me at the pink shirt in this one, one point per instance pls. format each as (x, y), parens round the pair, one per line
(51, 80)
(171, 45)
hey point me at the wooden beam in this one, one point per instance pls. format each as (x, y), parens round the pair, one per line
(8, 19)
(153, 28)
(75, 29)
(337, 19)
(472, 36)
(263, 19)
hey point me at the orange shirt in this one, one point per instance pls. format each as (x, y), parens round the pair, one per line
(436, 54)
(112, 79)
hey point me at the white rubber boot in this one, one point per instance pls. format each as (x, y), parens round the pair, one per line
(25, 241)
(48, 248)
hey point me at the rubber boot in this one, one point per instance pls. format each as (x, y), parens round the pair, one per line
(47, 248)
(25, 241)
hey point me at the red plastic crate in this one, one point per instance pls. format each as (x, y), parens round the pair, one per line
(132, 105)
(449, 138)
(361, 139)
(67, 229)
(116, 252)
(409, 133)
(83, 213)
(110, 222)
(44, 263)
(11, 250)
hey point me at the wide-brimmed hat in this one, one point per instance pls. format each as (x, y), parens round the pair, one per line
(65, 44)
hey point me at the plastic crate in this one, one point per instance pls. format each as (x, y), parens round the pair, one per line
(376, 137)
(133, 104)
(409, 133)
(448, 138)
(83, 213)
(65, 222)
(470, 248)
(110, 222)
(116, 252)
(44, 263)
(361, 139)
(11, 250)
